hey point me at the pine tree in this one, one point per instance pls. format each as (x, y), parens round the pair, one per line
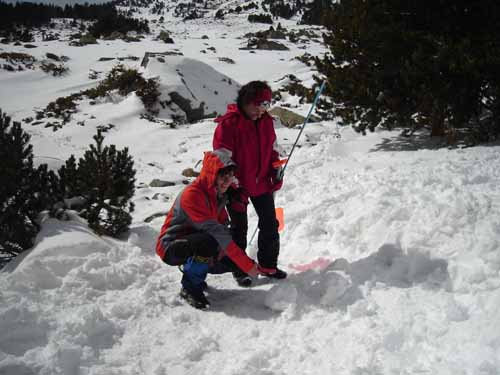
(24, 191)
(69, 179)
(413, 63)
(106, 178)
(317, 12)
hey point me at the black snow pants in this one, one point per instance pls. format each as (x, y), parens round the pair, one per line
(269, 240)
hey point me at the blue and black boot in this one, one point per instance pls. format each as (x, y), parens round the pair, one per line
(193, 282)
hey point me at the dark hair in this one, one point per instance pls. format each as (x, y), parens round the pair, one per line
(249, 91)
(227, 170)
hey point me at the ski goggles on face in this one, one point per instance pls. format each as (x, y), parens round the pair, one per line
(265, 104)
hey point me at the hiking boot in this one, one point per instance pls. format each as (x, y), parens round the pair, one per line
(242, 279)
(194, 298)
(204, 286)
(275, 274)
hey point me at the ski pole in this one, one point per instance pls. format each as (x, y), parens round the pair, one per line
(321, 88)
(282, 172)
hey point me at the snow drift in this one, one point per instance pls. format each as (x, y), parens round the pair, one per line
(394, 269)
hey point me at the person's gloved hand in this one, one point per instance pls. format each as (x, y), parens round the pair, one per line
(237, 200)
(277, 186)
(277, 180)
(280, 173)
(277, 176)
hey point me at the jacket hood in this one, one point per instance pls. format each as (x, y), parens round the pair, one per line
(213, 162)
(234, 110)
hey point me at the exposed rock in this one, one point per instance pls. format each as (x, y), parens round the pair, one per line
(186, 99)
(161, 183)
(271, 33)
(131, 58)
(52, 56)
(192, 114)
(227, 60)
(264, 44)
(115, 35)
(8, 68)
(164, 36)
(132, 39)
(154, 216)
(190, 172)
(290, 119)
(149, 55)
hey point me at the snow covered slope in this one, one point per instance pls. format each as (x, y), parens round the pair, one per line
(394, 269)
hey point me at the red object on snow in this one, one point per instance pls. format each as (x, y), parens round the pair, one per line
(319, 263)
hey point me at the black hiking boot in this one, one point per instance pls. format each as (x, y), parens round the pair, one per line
(242, 279)
(195, 299)
(278, 274)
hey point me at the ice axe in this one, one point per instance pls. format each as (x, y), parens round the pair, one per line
(282, 164)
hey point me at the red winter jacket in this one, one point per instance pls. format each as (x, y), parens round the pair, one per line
(253, 147)
(196, 209)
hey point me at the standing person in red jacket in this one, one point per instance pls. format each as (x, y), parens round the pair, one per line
(196, 233)
(247, 130)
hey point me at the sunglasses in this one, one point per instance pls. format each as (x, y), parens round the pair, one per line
(265, 104)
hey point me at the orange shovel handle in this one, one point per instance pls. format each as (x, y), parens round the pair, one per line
(280, 216)
(279, 163)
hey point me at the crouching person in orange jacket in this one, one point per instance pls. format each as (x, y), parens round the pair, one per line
(196, 234)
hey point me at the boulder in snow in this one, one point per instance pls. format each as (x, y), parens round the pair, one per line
(190, 89)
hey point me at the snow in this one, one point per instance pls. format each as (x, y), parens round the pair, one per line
(392, 252)
(195, 81)
(400, 273)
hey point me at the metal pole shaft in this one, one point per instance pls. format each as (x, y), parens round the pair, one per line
(321, 88)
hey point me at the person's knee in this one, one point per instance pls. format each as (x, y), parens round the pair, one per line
(177, 252)
(206, 246)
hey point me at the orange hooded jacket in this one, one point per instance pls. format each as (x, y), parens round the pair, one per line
(196, 209)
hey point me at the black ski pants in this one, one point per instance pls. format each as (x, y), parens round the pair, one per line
(269, 238)
(200, 244)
